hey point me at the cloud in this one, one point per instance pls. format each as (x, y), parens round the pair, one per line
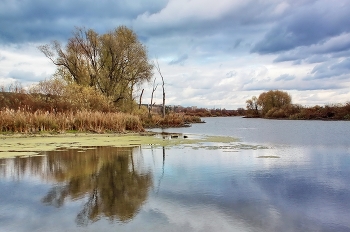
(203, 18)
(288, 83)
(311, 24)
(36, 20)
(338, 46)
(285, 77)
(231, 74)
(339, 69)
(179, 60)
(23, 63)
(217, 51)
(27, 76)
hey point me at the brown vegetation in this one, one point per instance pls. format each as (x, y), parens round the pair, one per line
(278, 105)
(22, 121)
(202, 112)
(114, 63)
(97, 76)
(327, 112)
(55, 95)
(171, 119)
(55, 106)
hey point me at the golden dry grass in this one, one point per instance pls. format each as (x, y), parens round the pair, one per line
(22, 121)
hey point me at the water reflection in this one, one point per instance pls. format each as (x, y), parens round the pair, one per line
(108, 179)
(196, 188)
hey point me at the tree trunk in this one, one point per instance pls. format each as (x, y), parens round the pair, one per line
(160, 73)
(141, 98)
(153, 90)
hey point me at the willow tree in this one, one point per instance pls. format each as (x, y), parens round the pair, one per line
(273, 99)
(113, 63)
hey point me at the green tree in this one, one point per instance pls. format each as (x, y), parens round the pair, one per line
(113, 63)
(272, 100)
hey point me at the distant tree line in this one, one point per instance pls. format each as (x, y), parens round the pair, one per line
(205, 112)
(278, 104)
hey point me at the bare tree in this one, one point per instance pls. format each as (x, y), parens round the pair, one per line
(153, 90)
(16, 87)
(160, 73)
(252, 106)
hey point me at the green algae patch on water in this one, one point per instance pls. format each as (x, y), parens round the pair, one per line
(269, 157)
(22, 145)
(18, 145)
(13, 154)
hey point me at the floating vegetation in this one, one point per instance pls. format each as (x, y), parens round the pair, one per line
(13, 154)
(268, 157)
(21, 145)
(231, 146)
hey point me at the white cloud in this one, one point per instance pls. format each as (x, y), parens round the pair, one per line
(281, 8)
(24, 63)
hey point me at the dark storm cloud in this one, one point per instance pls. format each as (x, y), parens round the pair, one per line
(231, 22)
(32, 20)
(310, 24)
(335, 47)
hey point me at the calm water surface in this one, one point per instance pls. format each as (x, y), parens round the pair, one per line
(300, 182)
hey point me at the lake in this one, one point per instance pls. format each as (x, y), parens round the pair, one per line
(280, 176)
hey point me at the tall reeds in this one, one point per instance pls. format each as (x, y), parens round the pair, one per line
(170, 120)
(22, 121)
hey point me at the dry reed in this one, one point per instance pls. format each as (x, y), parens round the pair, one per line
(170, 120)
(22, 121)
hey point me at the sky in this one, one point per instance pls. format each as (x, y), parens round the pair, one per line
(212, 54)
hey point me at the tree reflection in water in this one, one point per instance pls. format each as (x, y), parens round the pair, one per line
(107, 177)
